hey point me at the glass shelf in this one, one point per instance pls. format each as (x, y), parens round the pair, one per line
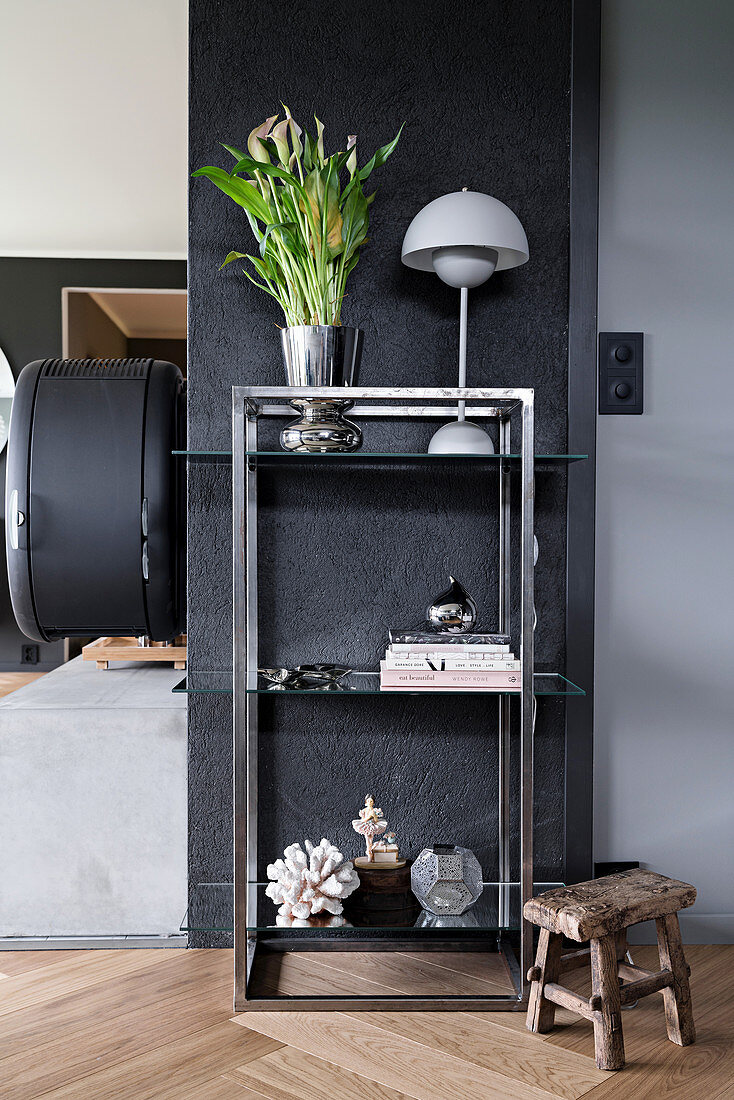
(204, 683)
(276, 457)
(214, 458)
(362, 683)
(498, 909)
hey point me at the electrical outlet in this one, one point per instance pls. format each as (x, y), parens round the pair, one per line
(29, 654)
(620, 372)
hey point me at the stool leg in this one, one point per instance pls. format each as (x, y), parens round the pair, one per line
(677, 999)
(542, 1013)
(608, 1039)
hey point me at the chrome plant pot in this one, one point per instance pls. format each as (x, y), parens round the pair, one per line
(321, 355)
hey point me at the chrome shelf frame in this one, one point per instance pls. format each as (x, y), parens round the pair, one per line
(249, 403)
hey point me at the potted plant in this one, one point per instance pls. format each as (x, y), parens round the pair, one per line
(309, 215)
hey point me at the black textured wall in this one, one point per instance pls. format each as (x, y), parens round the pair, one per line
(483, 88)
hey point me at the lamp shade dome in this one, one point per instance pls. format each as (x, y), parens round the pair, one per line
(465, 218)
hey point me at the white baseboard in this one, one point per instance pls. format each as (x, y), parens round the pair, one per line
(84, 943)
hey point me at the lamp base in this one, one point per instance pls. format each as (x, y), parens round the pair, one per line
(461, 437)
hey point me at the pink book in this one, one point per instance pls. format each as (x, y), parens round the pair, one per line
(450, 678)
(445, 689)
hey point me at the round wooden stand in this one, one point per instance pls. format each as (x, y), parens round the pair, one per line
(383, 896)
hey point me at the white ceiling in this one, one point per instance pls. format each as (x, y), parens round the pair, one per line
(155, 314)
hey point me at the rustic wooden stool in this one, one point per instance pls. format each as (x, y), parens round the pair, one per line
(601, 911)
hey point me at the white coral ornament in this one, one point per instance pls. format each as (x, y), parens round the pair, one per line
(310, 882)
(312, 922)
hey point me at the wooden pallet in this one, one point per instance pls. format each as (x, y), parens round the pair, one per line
(105, 650)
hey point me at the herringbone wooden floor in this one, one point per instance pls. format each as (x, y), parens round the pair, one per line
(143, 1024)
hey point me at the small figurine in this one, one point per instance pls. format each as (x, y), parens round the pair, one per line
(385, 850)
(370, 823)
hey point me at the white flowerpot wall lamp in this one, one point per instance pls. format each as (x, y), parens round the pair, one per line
(464, 237)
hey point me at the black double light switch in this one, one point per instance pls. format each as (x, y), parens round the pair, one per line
(620, 372)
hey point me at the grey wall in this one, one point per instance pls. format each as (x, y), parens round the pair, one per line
(664, 751)
(484, 95)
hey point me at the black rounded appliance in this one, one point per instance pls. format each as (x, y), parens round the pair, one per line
(94, 499)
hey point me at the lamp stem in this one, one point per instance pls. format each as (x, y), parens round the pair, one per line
(462, 347)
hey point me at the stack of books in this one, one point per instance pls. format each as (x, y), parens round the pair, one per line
(438, 661)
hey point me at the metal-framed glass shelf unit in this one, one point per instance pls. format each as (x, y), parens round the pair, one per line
(361, 457)
(356, 683)
(500, 908)
(497, 910)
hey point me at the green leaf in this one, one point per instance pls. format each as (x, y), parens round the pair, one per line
(289, 204)
(240, 191)
(314, 185)
(287, 236)
(350, 266)
(378, 159)
(356, 220)
(322, 198)
(309, 147)
(261, 286)
(247, 164)
(236, 153)
(332, 214)
(253, 226)
(339, 160)
(233, 256)
(263, 269)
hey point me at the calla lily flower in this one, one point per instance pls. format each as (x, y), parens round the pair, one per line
(352, 159)
(295, 132)
(320, 140)
(279, 135)
(255, 147)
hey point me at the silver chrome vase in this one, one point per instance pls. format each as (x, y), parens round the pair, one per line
(321, 355)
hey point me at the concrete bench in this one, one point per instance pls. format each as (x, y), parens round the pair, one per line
(93, 804)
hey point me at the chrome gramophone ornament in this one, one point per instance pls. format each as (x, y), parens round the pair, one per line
(453, 611)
